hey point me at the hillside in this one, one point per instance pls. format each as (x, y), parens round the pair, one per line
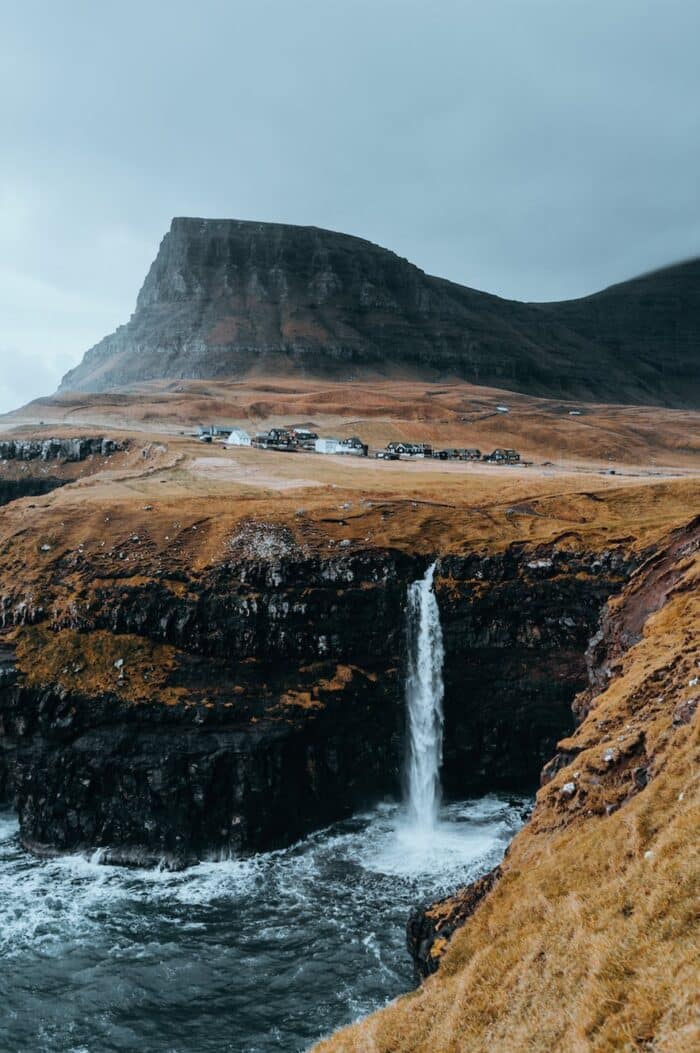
(451, 414)
(230, 299)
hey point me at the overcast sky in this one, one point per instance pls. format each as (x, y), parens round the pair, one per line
(539, 149)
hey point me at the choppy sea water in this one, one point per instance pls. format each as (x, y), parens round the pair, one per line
(250, 956)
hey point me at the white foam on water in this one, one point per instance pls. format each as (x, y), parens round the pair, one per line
(410, 854)
(9, 828)
(465, 837)
(320, 924)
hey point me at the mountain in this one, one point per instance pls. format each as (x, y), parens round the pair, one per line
(227, 298)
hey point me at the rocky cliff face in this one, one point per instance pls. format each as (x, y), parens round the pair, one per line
(32, 467)
(225, 298)
(7, 767)
(57, 449)
(237, 709)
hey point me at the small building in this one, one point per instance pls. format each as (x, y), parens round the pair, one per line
(454, 453)
(410, 449)
(275, 439)
(467, 453)
(327, 445)
(304, 438)
(502, 456)
(214, 431)
(502, 409)
(280, 437)
(354, 446)
(238, 437)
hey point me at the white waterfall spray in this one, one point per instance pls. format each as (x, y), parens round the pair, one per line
(424, 693)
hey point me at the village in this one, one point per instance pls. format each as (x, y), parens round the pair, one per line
(302, 440)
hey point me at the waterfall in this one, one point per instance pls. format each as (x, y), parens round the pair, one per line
(424, 693)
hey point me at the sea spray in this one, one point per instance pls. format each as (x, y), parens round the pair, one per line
(424, 694)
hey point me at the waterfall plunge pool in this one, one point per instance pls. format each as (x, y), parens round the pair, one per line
(245, 956)
(250, 956)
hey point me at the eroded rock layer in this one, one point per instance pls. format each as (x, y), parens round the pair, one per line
(33, 467)
(235, 709)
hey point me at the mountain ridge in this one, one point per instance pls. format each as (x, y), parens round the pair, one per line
(231, 298)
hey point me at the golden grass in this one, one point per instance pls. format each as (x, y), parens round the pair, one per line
(90, 664)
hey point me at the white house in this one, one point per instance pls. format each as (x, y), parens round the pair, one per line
(238, 437)
(328, 446)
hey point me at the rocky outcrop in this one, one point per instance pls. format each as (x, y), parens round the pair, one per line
(53, 449)
(429, 929)
(226, 297)
(7, 751)
(238, 708)
(24, 470)
(623, 621)
(175, 784)
(29, 486)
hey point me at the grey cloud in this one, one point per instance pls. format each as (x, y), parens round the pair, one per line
(534, 148)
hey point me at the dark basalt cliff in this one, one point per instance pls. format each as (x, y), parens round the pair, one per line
(225, 298)
(236, 710)
(24, 463)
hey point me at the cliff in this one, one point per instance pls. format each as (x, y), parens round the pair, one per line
(227, 298)
(585, 938)
(179, 715)
(33, 467)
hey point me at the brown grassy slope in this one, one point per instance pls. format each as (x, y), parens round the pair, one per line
(589, 942)
(454, 413)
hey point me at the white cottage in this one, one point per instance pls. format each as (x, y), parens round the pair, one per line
(238, 437)
(328, 446)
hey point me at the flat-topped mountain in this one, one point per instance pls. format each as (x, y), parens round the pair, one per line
(230, 298)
